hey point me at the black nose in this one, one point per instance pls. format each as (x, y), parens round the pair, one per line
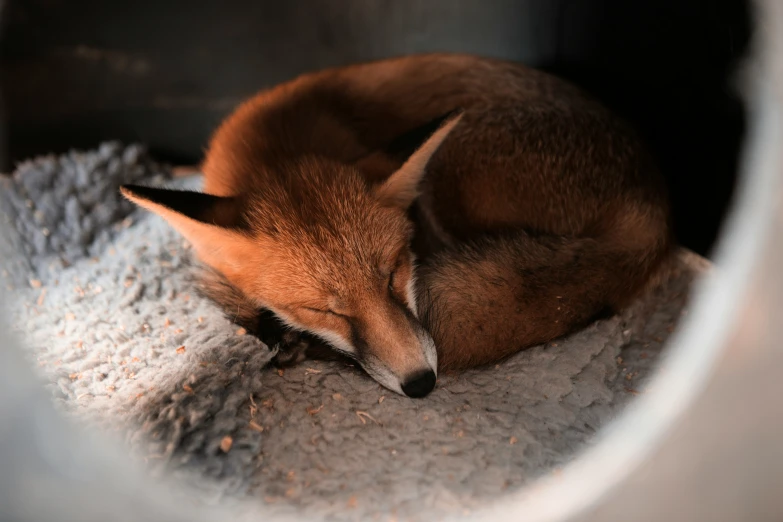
(420, 385)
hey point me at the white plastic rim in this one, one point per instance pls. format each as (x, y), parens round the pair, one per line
(622, 446)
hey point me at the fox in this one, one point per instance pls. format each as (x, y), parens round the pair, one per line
(421, 214)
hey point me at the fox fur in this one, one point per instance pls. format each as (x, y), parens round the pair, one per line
(424, 213)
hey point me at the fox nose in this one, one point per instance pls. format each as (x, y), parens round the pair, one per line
(419, 385)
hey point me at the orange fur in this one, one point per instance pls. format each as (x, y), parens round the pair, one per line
(447, 203)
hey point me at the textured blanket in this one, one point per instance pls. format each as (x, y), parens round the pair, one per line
(101, 293)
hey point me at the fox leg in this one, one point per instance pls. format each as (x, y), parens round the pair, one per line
(291, 345)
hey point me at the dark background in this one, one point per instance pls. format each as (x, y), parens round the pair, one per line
(76, 72)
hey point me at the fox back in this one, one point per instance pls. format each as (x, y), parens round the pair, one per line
(427, 212)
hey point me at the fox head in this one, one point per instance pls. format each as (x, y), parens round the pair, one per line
(326, 251)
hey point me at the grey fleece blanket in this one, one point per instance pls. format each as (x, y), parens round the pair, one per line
(101, 293)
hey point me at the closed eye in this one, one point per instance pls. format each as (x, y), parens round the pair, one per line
(326, 311)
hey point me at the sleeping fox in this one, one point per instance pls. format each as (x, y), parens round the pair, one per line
(420, 214)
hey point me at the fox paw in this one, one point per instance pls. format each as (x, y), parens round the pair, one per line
(291, 350)
(291, 346)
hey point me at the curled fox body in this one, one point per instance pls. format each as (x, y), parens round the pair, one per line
(423, 213)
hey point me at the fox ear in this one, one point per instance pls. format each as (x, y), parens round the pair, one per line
(208, 222)
(402, 188)
(181, 206)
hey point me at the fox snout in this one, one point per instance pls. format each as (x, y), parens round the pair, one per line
(415, 384)
(405, 363)
(420, 384)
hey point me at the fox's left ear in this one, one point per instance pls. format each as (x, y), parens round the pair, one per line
(402, 188)
(211, 223)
